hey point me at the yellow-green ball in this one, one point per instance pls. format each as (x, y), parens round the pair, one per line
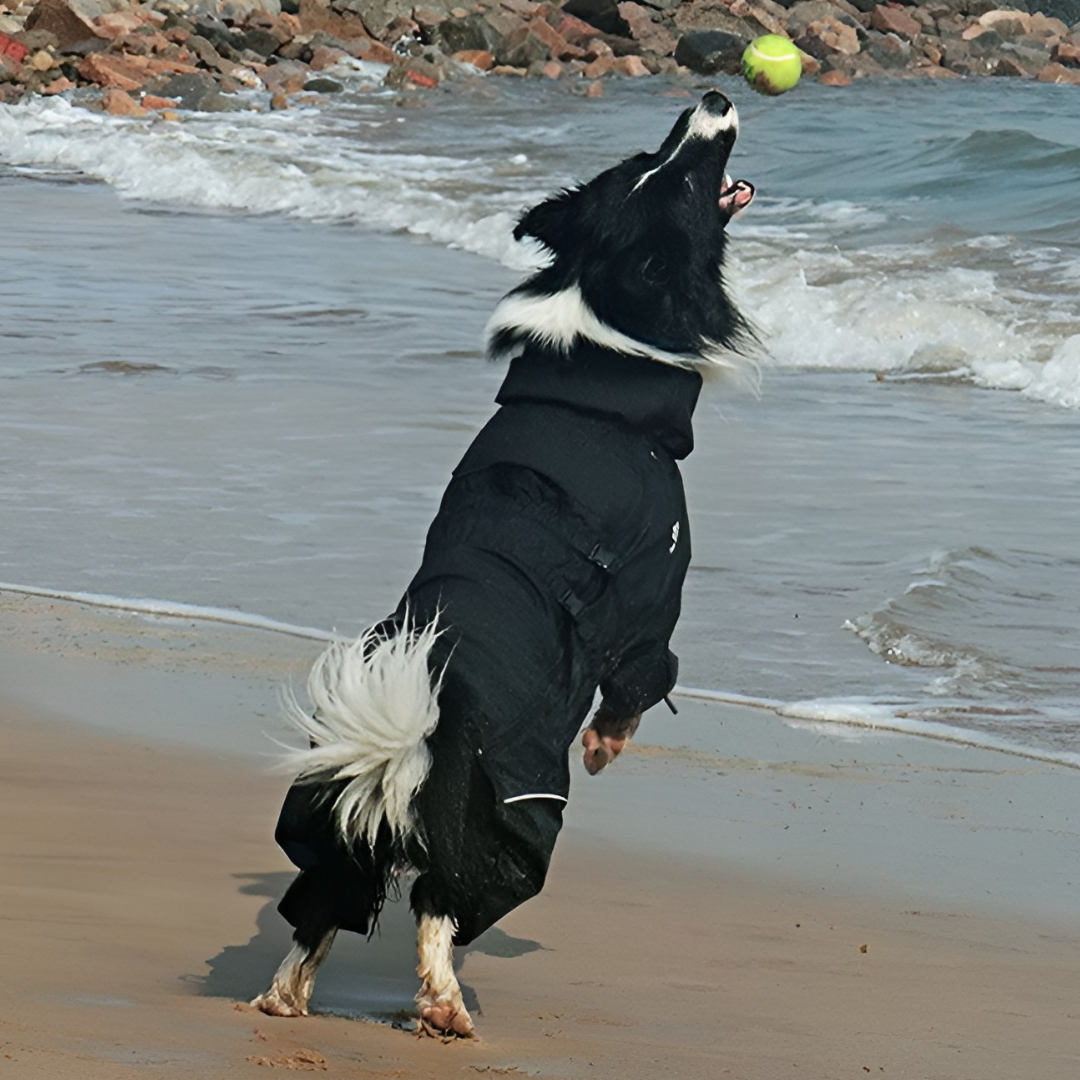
(771, 64)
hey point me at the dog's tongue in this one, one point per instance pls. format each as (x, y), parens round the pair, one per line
(735, 195)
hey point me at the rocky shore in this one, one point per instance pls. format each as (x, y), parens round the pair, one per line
(168, 55)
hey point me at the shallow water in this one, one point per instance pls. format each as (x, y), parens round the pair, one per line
(243, 382)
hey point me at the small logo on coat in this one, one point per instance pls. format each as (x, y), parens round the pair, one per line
(674, 537)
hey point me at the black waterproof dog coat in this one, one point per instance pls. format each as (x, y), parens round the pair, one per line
(555, 565)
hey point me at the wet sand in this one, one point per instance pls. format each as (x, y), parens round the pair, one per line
(706, 914)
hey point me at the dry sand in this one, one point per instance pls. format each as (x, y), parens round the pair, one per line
(137, 885)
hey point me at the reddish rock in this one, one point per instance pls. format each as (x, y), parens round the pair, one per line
(152, 101)
(58, 86)
(1066, 54)
(15, 51)
(422, 80)
(571, 29)
(771, 22)
(601, 66)
(631, 66)
(890, 20)
(835, 78)
(824, 39)
(160, 65)
(594, 90)
(326, 56)
(553, 70)
(286, 76)
(370, 49)
(649, 35)
(113, 71)
(548, 34)
(509, 69)
(119, 103)
(279, 101)
(56, 17)
(1058, 73)
(479, 58)
(810, 66)
(315, 16)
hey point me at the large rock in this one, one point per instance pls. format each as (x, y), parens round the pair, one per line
(710, 15)
(711, 52)
(319, 16)
(476, 33)
(114, 71)
(770, 17)
(1009, 24)
(1058, 73)
(1066, 54)
(889, 50)
(603, 14)
(890, 20)
(649, 35)
(811, 11)
(377, 15)
(198, 92)
(822, 40)
(59, 18)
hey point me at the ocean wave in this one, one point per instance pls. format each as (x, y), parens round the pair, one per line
(989, 627)
(282, 163)
(826, 291)
(837, 717)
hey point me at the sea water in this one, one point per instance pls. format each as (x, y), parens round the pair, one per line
(240, 354)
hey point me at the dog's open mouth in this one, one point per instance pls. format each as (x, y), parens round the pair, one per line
(735, 195)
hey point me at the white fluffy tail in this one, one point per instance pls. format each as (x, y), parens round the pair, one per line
(376, 703)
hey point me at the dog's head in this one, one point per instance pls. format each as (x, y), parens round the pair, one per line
(637, 254)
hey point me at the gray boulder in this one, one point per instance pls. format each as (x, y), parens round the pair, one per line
(711, 52)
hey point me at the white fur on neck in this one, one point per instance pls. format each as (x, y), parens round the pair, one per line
(557, 320)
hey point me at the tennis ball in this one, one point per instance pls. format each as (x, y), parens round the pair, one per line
(771, 64)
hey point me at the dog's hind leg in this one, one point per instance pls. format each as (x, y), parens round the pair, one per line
(441, 1008)
(290, 991)
(312, 906)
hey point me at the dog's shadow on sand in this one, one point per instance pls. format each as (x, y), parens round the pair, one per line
(373, 979)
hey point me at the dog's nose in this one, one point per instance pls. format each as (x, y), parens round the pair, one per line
(715, 104)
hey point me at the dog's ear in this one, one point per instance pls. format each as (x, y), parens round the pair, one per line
(548, 221)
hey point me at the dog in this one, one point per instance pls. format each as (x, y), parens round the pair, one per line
(438, 743)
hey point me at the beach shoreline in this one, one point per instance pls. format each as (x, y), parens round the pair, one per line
(703, 916)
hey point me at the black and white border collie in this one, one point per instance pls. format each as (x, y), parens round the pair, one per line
(438, 741)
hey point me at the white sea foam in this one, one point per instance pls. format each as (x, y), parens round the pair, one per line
(981, 309)
(858, 714)
(283, 163)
